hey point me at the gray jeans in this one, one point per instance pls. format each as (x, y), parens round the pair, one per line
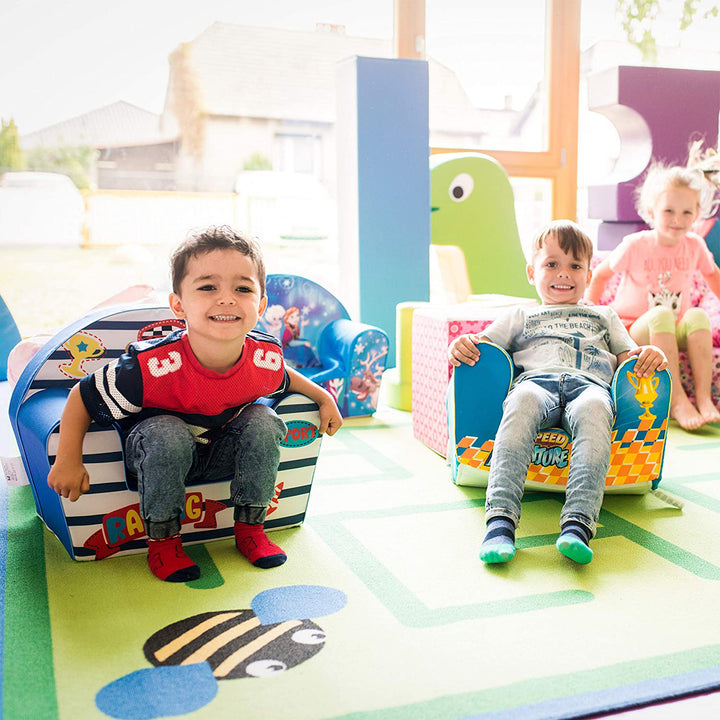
(568, 400)
(161, 451)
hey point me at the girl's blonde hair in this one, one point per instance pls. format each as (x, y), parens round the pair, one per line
(701, 175)
(708, 162)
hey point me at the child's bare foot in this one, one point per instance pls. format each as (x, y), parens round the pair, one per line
(708, 411)
(685, 413)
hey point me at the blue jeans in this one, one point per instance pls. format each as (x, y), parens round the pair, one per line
(568, 400)
(161, 451)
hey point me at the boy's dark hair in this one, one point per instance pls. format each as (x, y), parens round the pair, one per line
(570, 238)
(222, 237)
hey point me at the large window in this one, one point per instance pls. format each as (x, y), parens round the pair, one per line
(601, 157)
(488, 84)
(556, 159)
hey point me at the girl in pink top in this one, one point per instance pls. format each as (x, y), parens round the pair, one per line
(657, 266)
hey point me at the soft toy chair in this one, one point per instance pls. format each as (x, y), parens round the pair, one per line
(106, 521)
(475, 399)
(321, 341)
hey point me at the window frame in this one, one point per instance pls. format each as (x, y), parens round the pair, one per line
(559, 162)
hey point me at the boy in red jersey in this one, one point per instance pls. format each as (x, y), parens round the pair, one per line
(186, 406)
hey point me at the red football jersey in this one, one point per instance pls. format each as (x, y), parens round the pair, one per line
(164, 376)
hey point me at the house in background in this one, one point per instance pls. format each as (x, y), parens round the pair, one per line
(238, 94)
(132, 152)
(238, 91)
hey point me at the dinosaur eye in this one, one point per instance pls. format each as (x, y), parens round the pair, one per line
(461, 187)
(265, 668)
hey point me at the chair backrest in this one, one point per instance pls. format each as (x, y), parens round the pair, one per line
(449, 280)
(87, 344)
(473, 207)
(298, 309)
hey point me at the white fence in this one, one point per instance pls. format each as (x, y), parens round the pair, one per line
(120, 217)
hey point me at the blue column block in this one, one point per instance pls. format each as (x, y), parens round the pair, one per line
(383, 186)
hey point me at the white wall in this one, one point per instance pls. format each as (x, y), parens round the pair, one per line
(125, 217)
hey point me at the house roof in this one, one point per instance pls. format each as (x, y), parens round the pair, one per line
(245, 71)
(119, 124)
(257, 72)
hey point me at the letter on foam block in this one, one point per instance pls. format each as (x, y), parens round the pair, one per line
(627, 96)
(383, 186)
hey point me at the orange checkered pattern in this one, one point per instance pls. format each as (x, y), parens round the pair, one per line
(635, 457)
(474, 457)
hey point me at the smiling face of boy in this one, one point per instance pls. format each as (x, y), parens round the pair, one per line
(220, 298)
(560, 278)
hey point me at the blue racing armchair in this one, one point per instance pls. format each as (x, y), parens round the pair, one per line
(475, 400)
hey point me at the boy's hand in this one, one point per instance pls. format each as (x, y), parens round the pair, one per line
(650, 359)
(69, 480)
(330, 417)
(464, 349)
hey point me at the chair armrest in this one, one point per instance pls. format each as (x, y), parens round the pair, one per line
(475, 400)
(36, 419)
(340, 345)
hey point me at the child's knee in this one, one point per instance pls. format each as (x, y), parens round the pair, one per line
(594, 409)
(265, 422)
(696, 319)
(661, 319)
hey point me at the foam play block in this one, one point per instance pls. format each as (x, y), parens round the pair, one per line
(434, 327)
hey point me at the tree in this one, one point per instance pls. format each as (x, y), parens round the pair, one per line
(638, 20)
(11, 156)
(258, 161)
(75, 162)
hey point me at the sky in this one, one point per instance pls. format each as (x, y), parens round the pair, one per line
(61, 59)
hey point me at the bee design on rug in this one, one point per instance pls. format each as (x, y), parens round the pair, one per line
(235, 644)
(192, 654)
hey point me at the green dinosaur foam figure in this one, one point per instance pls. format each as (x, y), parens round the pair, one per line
(473, 207)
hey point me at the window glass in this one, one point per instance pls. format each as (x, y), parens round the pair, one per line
(604, 45)
(487, 74)
(533, 207)
(160, 141)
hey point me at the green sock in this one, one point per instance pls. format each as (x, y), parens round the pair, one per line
(574, 542)
(499, 543)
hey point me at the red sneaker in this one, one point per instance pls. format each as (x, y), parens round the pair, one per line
(252, 542)
(168, 561)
